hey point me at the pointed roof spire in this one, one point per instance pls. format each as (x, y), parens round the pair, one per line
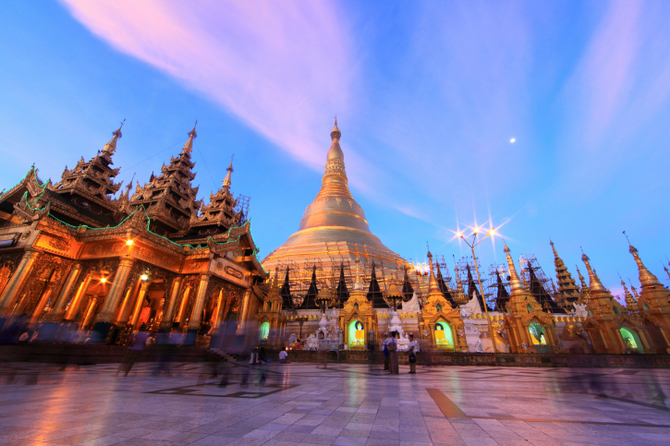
(188, 147)
(110, 147)
(227, 180)
(433, 286)
(594, 281)
(630, 300)
(335, 151)
(646, 276)
(553, 248)
(515, 281)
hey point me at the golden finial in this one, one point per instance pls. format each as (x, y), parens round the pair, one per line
(227, 180)
(110, 147)
(646, 276)
(553, 248)
(336, 134)
(594, 281)
(515, 281)
(188, 147)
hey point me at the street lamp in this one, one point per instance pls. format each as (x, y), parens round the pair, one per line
(490, 233)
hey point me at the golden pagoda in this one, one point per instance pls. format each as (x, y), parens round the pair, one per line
(334, 230)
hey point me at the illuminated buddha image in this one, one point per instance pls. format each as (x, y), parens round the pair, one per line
(356, 334)
(441, 336)
(537, 334)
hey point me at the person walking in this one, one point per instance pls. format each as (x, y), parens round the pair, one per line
(413, 348)
(392, 347)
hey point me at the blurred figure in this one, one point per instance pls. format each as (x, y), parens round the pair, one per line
(385, 349)
(283, 357)
(134, 351)
(392, 347)
(413, 349)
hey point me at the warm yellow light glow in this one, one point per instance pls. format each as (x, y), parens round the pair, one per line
(476, 231)
(129, 242)
(512, 141)
(459, 234)
(103, 280)
(492, 232)
(144, 277)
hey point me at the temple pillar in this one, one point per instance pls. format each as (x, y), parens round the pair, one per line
(244, 316)
(166, 323)
(18, 280)
(106, 316)
(73, 308)
(138, 304)
(39, 308)
(59, 307)
(88, 316)
(218, 313)
(183, 305)
(196, 314)
(122, 314)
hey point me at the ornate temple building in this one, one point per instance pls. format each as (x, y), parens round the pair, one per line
(86, 252)
(343, 287)
(159, 258)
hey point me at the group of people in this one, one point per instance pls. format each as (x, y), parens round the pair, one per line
(390, 349)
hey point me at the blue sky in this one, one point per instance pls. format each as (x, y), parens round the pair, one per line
(428, 96)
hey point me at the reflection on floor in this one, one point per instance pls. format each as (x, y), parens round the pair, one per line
(341, 405)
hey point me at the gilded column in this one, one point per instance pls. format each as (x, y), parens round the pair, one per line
(73, 308)
(169, 313)
(59, 307)
(196, 315)
(89, 313)
(18, 280)
(218, 314)
(39, 308)
(122, 314)
(245, 311)
(184, 303)
(116, 290)
(138, 303)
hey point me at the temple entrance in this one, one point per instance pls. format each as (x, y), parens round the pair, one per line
(356, 335)
(444, 338)
(631, 340)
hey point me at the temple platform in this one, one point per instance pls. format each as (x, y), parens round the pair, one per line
(343, 404)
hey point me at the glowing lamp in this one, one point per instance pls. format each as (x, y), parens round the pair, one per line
(129, 242)
(459, 234)
(476, 231)
(103, 280)
(492, 231)
(144, 277)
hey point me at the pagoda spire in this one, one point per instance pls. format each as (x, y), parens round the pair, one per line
(227, 180)
(515, 281)
(566, 284)
(433, 286)
(188, 147)
(631, 303)
(460, 297)
(647, 279)
(110, 147)
(594, 281)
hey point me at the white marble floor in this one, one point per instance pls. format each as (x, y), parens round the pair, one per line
(342, 405)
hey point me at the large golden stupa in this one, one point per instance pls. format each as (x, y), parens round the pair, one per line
(334, 231)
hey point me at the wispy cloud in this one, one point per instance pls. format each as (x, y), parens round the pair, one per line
(279, 66)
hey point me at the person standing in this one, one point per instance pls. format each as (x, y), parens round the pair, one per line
(413, 349)
(385, 349)
(392, 347)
